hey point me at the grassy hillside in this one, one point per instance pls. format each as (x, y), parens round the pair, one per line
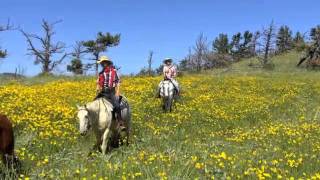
(285, 66)
(236, 123)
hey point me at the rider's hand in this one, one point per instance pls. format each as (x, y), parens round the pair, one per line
(117, 91)
(99, 89)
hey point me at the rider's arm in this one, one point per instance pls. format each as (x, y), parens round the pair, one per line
(100, 82)
(165, 71)
(174, 71)
(117, 84)
(118, 90)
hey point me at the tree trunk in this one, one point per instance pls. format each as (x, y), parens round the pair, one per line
(150, 63)
(97, 65)
(45, 68)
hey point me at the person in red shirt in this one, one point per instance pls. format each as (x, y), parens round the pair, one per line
(108, 85)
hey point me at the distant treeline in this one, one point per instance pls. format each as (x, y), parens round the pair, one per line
(225, 50)
(205, 54)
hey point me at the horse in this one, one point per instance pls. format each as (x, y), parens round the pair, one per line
(98, 115)
(168, 93)
(7, 142)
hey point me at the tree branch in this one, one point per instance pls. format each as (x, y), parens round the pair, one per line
(31, 48)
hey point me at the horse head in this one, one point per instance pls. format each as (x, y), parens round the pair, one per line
(83, 116)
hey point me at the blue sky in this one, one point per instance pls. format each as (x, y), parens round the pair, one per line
(168, 27)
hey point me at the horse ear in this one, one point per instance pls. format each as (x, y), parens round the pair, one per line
(78, 106)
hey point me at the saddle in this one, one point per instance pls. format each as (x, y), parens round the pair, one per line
(175, 88)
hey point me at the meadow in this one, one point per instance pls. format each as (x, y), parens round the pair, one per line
(228, 124)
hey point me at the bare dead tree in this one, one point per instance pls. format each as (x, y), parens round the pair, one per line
(201, 50)
(268, 37)
(150, 63)
(45, 54)
(78, 50)
(191, 62)
(9, 26)
(19, 72)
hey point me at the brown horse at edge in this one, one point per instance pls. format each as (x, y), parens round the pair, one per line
(7, 141)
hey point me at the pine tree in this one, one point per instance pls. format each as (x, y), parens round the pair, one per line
(236, 46)
(100, 44)
(75, 67)
(221, 44)
(254, 43)
(245, 47)
(298, 38)
(299, 42)
(284, 40)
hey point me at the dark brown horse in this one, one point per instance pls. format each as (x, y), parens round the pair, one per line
(7, 141)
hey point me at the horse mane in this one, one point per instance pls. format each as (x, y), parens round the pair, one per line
(92, 106)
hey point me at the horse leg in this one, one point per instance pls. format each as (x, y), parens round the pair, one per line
(171, 103)
(7, 146)
(98, 142)
(114, 140)
(164, 104)
(168, 104)
(105, 140)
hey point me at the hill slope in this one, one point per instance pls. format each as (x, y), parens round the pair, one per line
(232, 125)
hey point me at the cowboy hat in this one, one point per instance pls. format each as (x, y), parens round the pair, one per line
(167, 60)
(103, 59)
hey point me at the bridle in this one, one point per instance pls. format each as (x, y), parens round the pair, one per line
(86, 109)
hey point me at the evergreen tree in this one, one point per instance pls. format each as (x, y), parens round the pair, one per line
(254, 43)
(299, 42)
(298, 38)
(245, 47)
(284, 40)
(315, 35)
(100, 44)
(221, 44)
(76, 66)
(236, 46)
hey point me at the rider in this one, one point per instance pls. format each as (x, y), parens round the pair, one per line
(108, 85)
(169, 73)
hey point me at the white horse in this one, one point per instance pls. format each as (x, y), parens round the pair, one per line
(167, 92)
(98, 116)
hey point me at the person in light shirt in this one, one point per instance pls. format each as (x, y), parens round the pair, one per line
(170, 73)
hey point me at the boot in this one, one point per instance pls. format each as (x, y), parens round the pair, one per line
(121, 124)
